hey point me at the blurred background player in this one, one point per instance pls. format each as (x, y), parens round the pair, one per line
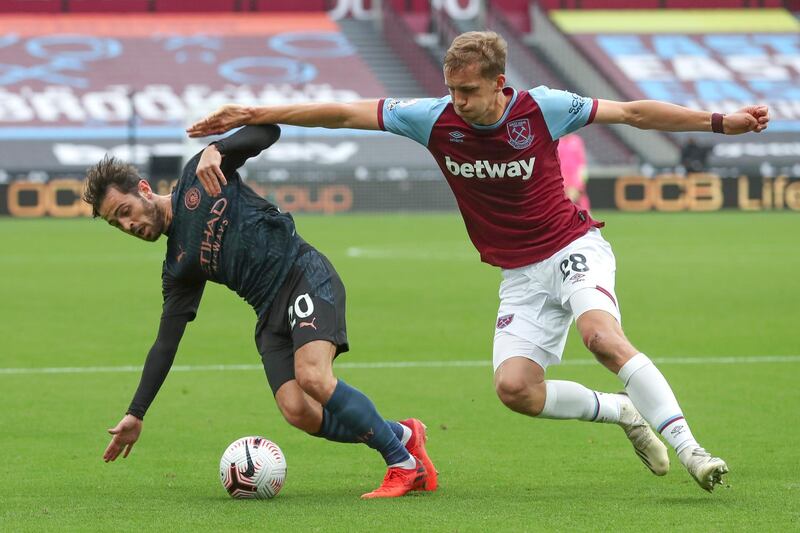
(238, 239)
(496, 148)
(694, 157)
(572, 159)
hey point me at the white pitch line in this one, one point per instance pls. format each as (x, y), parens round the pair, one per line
(405, 254)
(745, 360)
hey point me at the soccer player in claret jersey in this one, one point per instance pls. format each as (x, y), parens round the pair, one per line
(496, 147)
(236, 238)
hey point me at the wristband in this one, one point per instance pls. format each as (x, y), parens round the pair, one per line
(716, 122)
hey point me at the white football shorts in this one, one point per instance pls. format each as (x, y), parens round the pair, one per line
(538, 302)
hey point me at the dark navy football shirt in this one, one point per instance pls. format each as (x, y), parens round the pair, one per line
(238, 238)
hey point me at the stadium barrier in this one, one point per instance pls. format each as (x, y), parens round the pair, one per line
(60, 197)
(695, 192)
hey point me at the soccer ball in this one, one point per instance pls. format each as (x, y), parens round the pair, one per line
(252, 467)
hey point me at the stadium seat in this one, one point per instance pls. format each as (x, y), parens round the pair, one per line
(559, 4)
(415, 6)
(511, 5)
(653, 4)
(417, 22)
(108, 6)
(291, 5)
(724, 4)
(688, 4)
(621, 4)
(201, 6)
(30, 6)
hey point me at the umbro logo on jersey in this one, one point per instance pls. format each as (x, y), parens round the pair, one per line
(482, 169)
(456, 137)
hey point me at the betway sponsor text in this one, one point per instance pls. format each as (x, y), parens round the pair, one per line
(483, 169)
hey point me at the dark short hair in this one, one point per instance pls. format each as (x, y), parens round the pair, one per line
(110, 172)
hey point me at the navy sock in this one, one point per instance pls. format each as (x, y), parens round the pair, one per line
(333, 430)
(353, 410)
(397, 429)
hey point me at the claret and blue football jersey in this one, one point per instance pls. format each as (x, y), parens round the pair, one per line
(505, 176)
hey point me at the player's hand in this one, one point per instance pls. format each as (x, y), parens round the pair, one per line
(223, 119)
(125, 434)
(753, 118)
(209, 172)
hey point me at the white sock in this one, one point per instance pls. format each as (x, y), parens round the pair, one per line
(408, 464)
(654, 399)
(570, 400)
(406, 434)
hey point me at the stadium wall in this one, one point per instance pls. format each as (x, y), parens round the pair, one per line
(60, 197)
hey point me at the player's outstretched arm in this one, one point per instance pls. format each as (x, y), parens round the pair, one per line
(236, 149)
(124, 436)
(156, 367)
(663, 116)
(361, 115)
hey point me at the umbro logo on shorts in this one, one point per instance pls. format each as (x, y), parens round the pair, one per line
(504, 321)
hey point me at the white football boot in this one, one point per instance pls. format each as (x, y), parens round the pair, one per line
(704, 468)
(646, 443)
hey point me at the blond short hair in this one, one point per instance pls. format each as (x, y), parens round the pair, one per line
(486, 48)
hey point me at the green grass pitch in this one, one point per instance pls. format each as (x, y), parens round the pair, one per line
(694, 288)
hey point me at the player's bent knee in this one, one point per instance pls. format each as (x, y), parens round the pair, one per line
(594, 339)
(609, 348)
(512, 390)
(299, 414)
(315, 382)
(602, 341)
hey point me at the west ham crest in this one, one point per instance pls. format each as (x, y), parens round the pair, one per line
(519, 133)
(504, 320)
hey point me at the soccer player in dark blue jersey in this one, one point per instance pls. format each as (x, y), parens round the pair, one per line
(237, 238)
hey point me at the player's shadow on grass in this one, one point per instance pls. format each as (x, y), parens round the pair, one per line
(330, 496)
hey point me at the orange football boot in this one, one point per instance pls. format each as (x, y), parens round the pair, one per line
(399, 481)
(416, 447)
